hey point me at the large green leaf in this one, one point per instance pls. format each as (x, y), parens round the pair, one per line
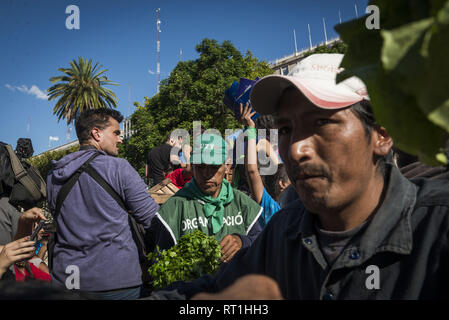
(405, 67)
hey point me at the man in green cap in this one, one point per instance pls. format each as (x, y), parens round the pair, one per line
(208, 203)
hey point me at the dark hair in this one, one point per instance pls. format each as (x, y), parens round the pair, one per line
(167, 138)
(94, 118)
(265, 122)
(24, 148)
(271, 182)
(364, 112)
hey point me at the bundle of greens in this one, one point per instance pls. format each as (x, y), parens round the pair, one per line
(405, 67)
(195, 255)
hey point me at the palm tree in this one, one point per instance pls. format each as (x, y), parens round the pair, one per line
(79, 89)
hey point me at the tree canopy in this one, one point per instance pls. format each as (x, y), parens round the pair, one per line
(194, 91)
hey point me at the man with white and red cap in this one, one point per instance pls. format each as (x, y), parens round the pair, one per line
(360, 230)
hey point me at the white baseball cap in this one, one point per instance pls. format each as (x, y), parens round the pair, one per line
(315, 77)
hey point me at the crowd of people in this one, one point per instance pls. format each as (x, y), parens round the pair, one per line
(343, 217)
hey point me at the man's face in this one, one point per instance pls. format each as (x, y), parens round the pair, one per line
(209, 177)
(327, 155)
(109, 138)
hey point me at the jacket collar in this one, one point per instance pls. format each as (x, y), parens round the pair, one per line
(390, 228)
(87, 147)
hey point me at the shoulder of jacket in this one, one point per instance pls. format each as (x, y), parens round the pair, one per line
(107, 160)
(241, 195)
(432, 192)
(243, 200)
(289, 215)
(175, 201)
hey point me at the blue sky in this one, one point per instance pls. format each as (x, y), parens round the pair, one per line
(121, 35)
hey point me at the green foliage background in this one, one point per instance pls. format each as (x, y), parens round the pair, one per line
(336, 47)
(43, 161)
(194, 91)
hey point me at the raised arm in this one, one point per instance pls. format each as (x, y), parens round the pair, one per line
(254, 179)
(265, 146)
(187, 172)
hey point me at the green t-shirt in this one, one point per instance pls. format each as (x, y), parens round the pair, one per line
(181, 215)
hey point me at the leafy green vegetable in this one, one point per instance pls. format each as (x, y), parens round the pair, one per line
(405, 68)
(195, 255)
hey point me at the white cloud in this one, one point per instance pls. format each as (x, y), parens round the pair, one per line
(34, 90)
(38, 93)
(150, 72)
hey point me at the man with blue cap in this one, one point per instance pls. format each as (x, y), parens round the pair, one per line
(209, 203)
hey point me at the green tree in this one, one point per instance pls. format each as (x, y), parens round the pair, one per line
(42, 162)
(194, 91)
(137, 146)
(336, 47)
(79, 89)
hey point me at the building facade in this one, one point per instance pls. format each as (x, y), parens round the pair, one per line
(126, 130)
(284, 65)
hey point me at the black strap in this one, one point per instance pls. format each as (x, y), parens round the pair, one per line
(94, 174)
(137, 229)
(62, 194)
(65, 190)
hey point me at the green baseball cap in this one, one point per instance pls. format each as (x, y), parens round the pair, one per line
(209, 148)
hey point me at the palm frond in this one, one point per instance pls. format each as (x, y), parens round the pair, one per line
(81, 87)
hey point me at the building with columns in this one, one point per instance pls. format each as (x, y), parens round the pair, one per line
(126, 129)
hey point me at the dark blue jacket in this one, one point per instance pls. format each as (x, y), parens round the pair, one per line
(406, 240)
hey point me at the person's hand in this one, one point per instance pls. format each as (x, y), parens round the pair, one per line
(16, 251)
(249, 287)
(32, 215)
(246, 114)
(26, 222)
(230, 244)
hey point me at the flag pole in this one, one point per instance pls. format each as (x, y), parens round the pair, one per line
(325, 34)
(310, 37)
(296, 46)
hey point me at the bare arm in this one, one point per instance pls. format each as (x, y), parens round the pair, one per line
(265, 146)
(254, 179)
(187, 172)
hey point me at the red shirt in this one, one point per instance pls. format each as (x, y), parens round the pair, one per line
(177, 178)
(37, 273)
